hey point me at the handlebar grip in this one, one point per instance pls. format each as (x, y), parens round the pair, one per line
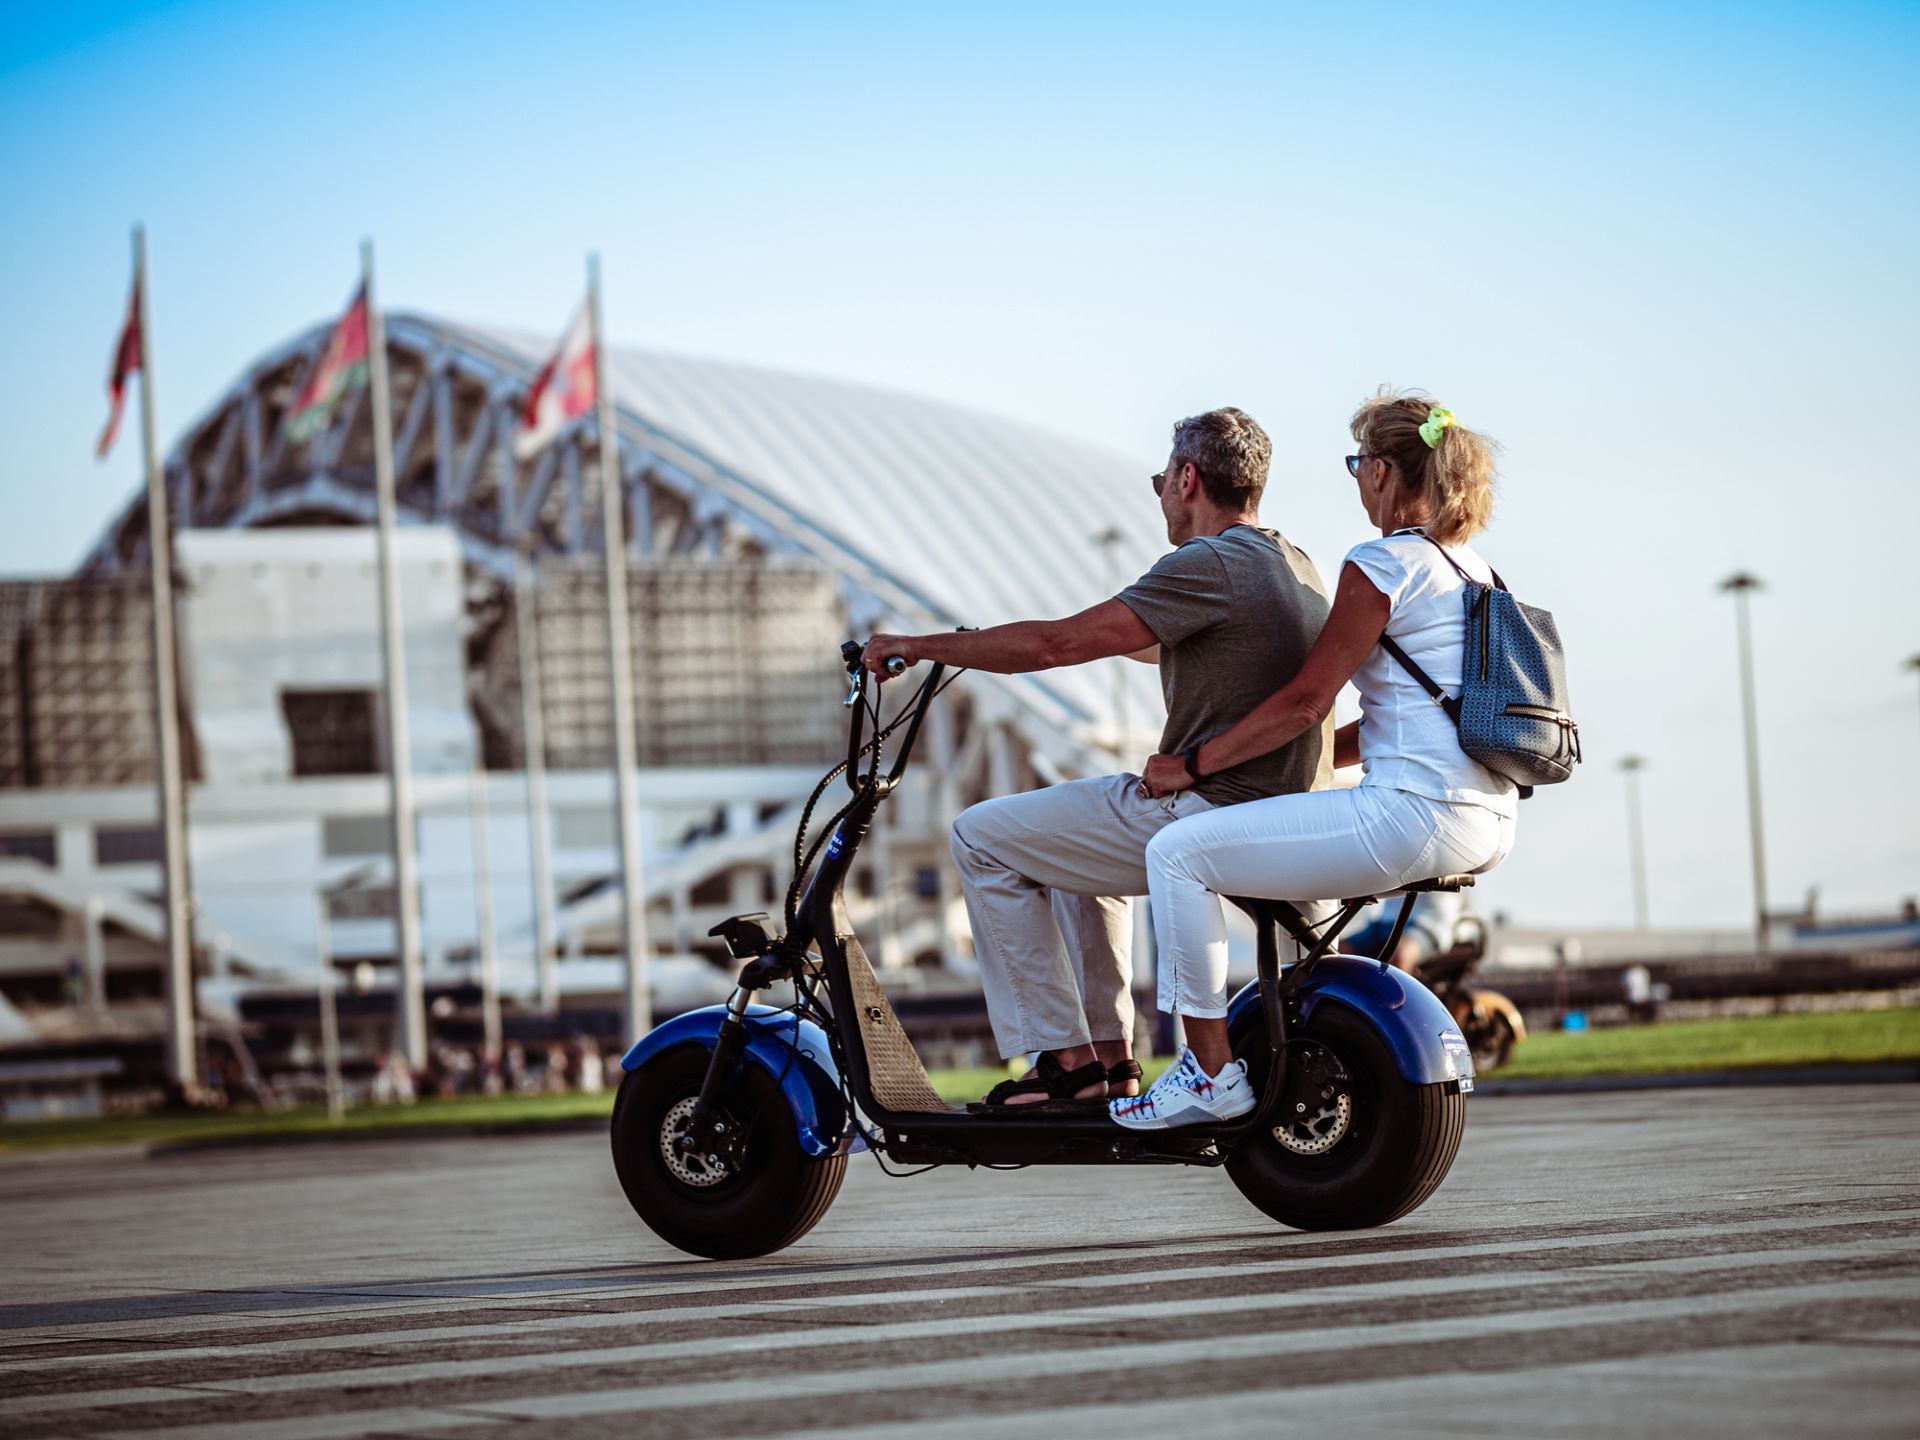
(896, 666)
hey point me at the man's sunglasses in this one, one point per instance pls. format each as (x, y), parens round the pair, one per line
(1160, 480)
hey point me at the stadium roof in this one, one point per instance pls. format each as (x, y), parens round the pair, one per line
(980, 518)
(976, 518)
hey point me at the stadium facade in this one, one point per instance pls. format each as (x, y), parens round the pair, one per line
(770, 514)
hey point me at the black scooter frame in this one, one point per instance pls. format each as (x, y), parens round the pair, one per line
(957, 1136)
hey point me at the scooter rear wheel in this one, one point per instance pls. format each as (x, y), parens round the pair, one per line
(1375, 1150)
(760, 1198)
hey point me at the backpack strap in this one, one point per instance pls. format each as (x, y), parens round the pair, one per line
(1498, 583)
(1434, 692)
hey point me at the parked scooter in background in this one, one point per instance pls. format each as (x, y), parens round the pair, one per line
(1442, 946)
(1490, 1021)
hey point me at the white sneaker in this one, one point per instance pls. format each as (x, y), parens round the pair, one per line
(1186, 1095)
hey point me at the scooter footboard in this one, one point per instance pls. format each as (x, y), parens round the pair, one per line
(800, 1062)
(1427, 1046)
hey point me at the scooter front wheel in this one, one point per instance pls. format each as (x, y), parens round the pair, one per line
(1369, 1147)
(758, 1194)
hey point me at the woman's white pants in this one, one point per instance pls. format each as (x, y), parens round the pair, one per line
(1324, 845)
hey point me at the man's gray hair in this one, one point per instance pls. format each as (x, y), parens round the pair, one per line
(1230, 451)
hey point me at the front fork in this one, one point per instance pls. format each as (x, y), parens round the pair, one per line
(706, 1132)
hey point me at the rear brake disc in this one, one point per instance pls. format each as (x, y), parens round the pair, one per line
(1317, 1110)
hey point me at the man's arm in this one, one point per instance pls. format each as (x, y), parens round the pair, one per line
(1346, 745)
(1108, 628)
(1359, 617)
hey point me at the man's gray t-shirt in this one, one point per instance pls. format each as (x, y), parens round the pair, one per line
(1235, 615)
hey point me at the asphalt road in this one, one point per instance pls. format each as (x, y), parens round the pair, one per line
(1689, 1263)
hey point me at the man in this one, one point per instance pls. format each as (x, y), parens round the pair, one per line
(1229, 615)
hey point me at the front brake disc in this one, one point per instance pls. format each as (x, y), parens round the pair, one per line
(689, 1167)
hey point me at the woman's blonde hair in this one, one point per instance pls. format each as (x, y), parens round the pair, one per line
(1454, 475)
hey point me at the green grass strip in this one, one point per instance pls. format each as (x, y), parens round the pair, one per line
(1847, 1037)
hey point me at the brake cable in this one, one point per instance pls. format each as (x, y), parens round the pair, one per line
(803, 857)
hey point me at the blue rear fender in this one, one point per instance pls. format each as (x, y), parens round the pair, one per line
(801, 1062)
(1427, 1046)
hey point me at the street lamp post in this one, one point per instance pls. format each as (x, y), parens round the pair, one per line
(1913, 664)
(326, 983)
(1741, 585)
(1631, 766)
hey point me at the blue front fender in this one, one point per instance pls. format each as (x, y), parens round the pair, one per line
(801, 1062)
(1427, 1046)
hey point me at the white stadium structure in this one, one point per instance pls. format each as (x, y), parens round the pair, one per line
(771, 515)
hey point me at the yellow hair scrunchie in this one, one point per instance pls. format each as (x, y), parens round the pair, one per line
(1436, 421)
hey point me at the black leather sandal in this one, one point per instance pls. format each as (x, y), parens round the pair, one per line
(1059, 1085)
(1120, 1074)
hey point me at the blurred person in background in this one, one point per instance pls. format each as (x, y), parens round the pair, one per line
(590, 1069)
(393, 1080)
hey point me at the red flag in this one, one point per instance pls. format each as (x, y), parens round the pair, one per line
(341, 366)
(126, 360)
(561, 392)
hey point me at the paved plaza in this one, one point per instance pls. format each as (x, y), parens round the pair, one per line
(1741, 1262)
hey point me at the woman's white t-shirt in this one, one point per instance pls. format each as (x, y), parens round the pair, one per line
(1406, 740)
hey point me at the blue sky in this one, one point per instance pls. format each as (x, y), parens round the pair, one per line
(1663, 253)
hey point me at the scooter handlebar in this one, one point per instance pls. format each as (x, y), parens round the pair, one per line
(852, 652)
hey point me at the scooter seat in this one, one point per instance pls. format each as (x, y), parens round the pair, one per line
(1416, 887)
(1438, 882)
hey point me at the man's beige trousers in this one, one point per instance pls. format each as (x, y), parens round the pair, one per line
(1047, 876)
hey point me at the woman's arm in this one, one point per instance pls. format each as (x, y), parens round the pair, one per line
(1354, 627)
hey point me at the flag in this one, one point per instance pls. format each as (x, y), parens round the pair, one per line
(562, 391)
(341, 366)
(126, 360)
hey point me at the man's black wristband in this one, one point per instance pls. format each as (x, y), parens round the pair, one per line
(1190, 757)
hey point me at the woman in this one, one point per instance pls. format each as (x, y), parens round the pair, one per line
(1423, 809)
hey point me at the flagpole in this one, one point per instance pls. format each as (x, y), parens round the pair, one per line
(613, 529)
(479, 818)
(533, 735)
(411, 1015)
(183, 1061)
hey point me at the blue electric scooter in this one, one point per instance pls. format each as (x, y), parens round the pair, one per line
(733, 1124)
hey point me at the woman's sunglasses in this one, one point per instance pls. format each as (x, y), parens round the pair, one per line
(1353, 463)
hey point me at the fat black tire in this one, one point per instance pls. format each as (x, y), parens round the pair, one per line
(775, 1197)
(1398, 1145)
